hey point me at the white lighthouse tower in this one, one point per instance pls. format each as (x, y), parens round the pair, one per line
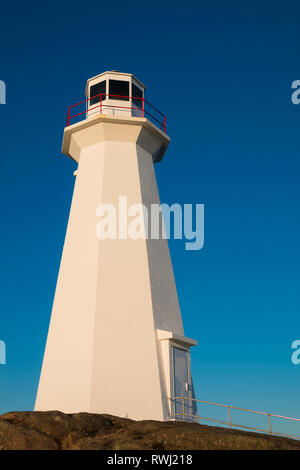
(116, 343)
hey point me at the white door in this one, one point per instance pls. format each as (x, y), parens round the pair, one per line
(182, 407)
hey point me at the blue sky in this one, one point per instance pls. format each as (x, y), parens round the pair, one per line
(222, 73)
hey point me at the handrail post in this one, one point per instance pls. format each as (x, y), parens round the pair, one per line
(68, 117)
(143, 105)
(229, 410)
(165, 125)
(270, 428)
(100, 103)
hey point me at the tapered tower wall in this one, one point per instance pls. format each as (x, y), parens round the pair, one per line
(116, 312)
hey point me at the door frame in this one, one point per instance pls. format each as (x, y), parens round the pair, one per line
(187, 401)
(166, 341)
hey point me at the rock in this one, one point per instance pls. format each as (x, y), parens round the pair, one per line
(16, 437)
(57, 424)
(52, 430)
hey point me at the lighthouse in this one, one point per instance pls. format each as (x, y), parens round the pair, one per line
(116, 342)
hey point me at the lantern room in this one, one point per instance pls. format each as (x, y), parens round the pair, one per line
(115, 93)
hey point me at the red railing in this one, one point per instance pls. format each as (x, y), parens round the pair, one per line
(159, 119)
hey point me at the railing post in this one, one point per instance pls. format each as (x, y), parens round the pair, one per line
(229, 410)
(101, 103)
(183, 414)
(165, 125)
(270, 428)
(143, 105)
(68, 118)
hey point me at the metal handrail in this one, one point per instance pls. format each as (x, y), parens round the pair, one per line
(195, 417)
(162, 123)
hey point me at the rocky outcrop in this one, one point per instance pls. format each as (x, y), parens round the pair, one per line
(52, 430)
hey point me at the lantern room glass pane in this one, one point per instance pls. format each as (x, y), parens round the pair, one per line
(136, 94)
(120, 88)
(96, 90)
